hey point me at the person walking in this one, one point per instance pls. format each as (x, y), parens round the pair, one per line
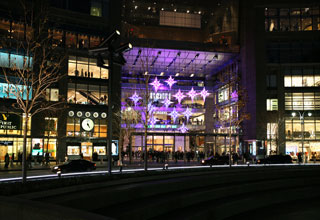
(47, 157)
(29, 159)
(6, 160)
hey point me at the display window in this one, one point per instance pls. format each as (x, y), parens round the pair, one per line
(73, 150)
(101, 150)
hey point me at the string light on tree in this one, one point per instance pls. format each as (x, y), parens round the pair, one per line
(204, 93)
(135, 98)
(156, 84)
(153, 121)
(170, 82)
(179, 96)
(192, 94)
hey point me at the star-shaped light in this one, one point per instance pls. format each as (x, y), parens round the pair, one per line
(204, 93)
(187, 114)
(192, 94)
(170, 81)
(153, 121)
(179, 95)
(174, 114)
(135, 98)
(151, 108)
(156, 84)
(234, 94)
(167, 102)
(183, 128)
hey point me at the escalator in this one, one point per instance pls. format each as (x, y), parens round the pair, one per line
(91, 98)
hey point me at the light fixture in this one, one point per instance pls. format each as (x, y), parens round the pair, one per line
(309, 114)
(146, 73)
(162, 73)
(188, 11)
(135, 7)
(175, 10)
(293, 114)
(199, 12)
(192, 75)
(149, 8)
(162, 9)
(177, 74)
(123, 48)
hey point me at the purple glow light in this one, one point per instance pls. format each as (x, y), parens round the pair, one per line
(156, 84)
(204, 93)
(135, 98)
(170, 81)
(234, 94)
(183, 128)
(192, 94)
(167, 102)
(187, 114)
(174, 114)
(179, 95)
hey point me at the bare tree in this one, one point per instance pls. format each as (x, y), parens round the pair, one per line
(233, 112)
(28, 83)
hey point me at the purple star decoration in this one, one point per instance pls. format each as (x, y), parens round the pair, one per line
(170, 81)
(153, 121)
(156, 84)
(183, 128)
(135, 98)
(174, 114)
(187, 114)
(192, 94)
(179, 95)
(204, 93)
(167, 102)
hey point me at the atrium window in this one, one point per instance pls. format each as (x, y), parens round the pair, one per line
(272, 129)
(96, 8)
(272, 104)
(87, 94)
(86, 67)
(302, 101)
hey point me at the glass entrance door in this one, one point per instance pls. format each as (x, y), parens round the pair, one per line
(86, 150)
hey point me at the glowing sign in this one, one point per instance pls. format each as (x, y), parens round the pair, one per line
(12, 91)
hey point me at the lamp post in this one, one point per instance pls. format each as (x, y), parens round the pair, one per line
(301, 116)
(115, 57)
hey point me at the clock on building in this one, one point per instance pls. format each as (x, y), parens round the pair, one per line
(87, 124)
(71, 113)
(79, 114)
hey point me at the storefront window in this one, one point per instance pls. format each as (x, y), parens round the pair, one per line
(83, 41)
(12, 145)
(71, 40)
(101, 150)
(51, 127)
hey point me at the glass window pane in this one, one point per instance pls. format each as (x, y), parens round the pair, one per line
(306, 24)
(296, 81)
(287, 81)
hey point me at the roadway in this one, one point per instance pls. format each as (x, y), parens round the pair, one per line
(263, 192)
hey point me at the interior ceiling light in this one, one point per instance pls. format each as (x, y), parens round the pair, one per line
(192, 75)
(135, 7)
(175, 10)
(177, 74)
(162, 73)
(188, 11)
(199, 12)
(162, 9)
(149, 8)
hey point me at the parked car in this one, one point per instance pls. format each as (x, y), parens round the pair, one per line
(75, 166)
(212, 160)
(274, 159)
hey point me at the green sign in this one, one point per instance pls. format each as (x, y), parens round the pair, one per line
(10, 121)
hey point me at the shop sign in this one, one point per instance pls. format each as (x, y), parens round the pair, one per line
(10, 122)
(6, 143)
(10, 91)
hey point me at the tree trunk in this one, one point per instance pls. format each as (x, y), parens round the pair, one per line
(24, 154)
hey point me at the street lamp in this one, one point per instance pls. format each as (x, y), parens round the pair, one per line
(115, 56)
(301, 116)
